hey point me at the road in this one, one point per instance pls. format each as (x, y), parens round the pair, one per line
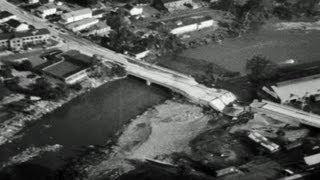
(187, 86)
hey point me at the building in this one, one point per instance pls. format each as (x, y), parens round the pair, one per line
(82, 24)
(297, 88)
(16, 26)
(17, 40)
(169, 4)
(139, 53)
(98, 13)
(312, 159)
(285, 113)
(133, 10)
(191, 24)
(33, 1)
(263, 141)
(68, 70)
(4, 41)
(99, 29)
(6, 16)
(46, 10)
(76, 15)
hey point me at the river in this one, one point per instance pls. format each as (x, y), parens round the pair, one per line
(91, 119)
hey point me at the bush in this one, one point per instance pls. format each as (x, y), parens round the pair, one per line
(261, 69)
(118, 70)
(76, 87)
(25, 65)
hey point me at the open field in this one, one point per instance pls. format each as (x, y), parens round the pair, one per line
(278, 46)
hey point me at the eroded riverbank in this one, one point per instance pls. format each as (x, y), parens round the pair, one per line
(165, 129)
(90, 119)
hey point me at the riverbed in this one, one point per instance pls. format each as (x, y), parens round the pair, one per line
(91, 119)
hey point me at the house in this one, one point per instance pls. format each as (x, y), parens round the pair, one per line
(17, 40)
(34, 37)
(189, 24)
(76, 15)
(17, 26)
(99, 29)
(69, 70)
(82, 24)
(175, 3)
(139, 53)
(133, 10)
(46, 10)
(6, 16)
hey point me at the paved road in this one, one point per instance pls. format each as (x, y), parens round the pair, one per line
(183, 84)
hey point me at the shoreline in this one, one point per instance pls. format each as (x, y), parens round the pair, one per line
(141, 136)
(15, 125)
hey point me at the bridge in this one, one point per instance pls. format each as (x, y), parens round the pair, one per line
(285, 113)
(177, 82)
(180, 83)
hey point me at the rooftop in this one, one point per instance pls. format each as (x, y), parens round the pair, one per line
(46, 7)
(32, 33)
(6, 36)
(63, 69)
(178, 22)
(77, 13)
(98, 12)
(5, 14)
(13, 23)
(82, 22)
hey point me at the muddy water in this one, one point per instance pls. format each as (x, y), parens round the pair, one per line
(91, 119)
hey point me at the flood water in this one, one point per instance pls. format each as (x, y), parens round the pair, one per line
(91, 119)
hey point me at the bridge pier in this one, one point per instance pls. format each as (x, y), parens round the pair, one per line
(148, 82)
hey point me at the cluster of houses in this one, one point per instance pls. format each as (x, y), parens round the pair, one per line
(77, 20)
(16, 35)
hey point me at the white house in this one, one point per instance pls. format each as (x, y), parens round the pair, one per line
(99, 29)
(46, 10)
(133, 10)
(76, 15)
(6, 16)
(17, 26)
(82, 24)
(192, 24)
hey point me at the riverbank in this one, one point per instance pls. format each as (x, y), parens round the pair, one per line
(157, 133)
(11, 129)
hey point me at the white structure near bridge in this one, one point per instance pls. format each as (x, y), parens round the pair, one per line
(191, 24)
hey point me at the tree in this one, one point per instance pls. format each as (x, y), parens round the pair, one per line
(260, 69)
(25, 65)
